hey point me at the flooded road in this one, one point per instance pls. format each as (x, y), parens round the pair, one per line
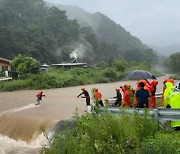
(58, 104)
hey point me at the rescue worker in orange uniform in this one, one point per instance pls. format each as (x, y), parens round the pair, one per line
(132, 94)
(126, 97)
(152, 87)
(98, 97)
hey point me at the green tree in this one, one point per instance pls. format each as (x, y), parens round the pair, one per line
(102, 64)
(25, 65)
(174, 62)
(134, 65)
(120, 64)
(111, 73)
(31, 28)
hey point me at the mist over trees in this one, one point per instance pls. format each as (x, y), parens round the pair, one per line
(113, 37)
(173, 62)
(32, 28)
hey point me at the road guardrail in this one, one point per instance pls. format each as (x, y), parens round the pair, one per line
(159, 95)
(161, 114)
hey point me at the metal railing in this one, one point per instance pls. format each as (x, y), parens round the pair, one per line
(159, 95)
(161, 114)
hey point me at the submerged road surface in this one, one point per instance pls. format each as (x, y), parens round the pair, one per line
(21, 121)
(58, 104)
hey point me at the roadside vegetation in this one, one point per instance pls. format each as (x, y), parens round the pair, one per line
(172, 63)
(32, 78)
(108, 133)
(2, 74)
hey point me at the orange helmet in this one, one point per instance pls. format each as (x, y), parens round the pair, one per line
(171, 80)
(143, 81)
(118, 89)
(165, 80)
(96, 89)
(126, 85)
(82, 88)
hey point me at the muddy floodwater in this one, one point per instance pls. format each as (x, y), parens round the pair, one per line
(21, 120)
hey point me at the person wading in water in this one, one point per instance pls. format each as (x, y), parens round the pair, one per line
(39, 97)
(86, 95)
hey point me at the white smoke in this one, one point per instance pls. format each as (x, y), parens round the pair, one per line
(78, 52)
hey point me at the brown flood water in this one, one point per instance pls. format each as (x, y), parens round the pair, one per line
(19, 115)
(58, 103)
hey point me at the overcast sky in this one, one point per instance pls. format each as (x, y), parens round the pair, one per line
(155, 22)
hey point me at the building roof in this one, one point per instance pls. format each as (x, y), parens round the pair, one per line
(70, 64)
(5, 60)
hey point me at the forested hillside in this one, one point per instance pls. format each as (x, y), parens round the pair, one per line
(104, 28)
(112, 35)
(34, 29)
(30, 28)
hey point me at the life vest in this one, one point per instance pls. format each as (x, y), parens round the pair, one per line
(39, 95)
(154, 83)
(98, 95)
(126, 97)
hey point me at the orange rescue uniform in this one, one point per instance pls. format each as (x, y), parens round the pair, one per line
(126, 98)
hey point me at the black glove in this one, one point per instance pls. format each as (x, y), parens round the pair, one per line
(154, 77)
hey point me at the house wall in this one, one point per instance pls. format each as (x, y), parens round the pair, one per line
(5, 64)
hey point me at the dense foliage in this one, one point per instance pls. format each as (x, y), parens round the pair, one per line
(34, 29)
(24, 65)
(173, 62)
(114, 40)
(107, 133)
(103, 72)
(162, 143)
(2, 74)
(58, 78)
